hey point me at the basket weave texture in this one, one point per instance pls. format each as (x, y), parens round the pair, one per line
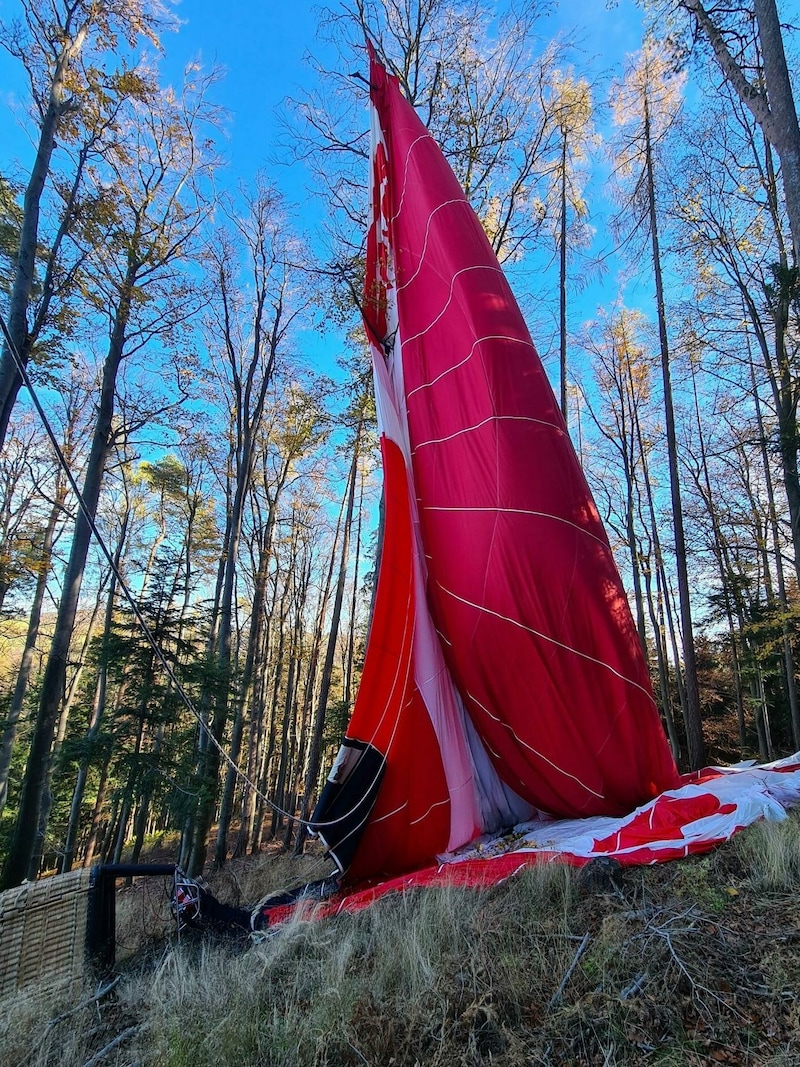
(43, 930)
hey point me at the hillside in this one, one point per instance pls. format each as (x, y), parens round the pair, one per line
(694, 962)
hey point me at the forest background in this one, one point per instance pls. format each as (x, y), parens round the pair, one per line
(179, 270)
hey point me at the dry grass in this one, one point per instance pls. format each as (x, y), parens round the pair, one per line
(691, 963)
(771, 854)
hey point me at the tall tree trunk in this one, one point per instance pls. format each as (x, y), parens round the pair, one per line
(636, 567)
(662, 665)
(28, 653)
(720, 554)
(98, 708)
(290, 793)
(54, 680)
(286, 792)
(19, 302)
(629, 445)
(773, 108)
(315, 749)
(692, 718)
(348, 670)
(52, 764)
(255, 747)
(252, 409)
(145, 798)
(253, 646)
(265, 782)
(657, 605)
(788, 655)
(97, 813)
(280, 657)
(281, 790)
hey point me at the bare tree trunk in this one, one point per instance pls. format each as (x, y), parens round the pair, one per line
(26, 663)
(253, 646)
(145, 798)
(662, 666)
(772, 106)
(255, 747)
(315, 749)
(98, 709)
(282, 789)
(97, 814)
(788, 656)
(348, 671)
(250, 397)
(63, 718)
(292, 778)
(54, 680)
(67, 50)
(692, 717)
(762, 717)
(655, 604)
(286, 794)
(264, 775)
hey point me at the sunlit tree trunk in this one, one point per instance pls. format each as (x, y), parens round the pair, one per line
(348, 666)
(772, 104)
(29, 651)
(315, 747)
(692, 719)
(54, 680)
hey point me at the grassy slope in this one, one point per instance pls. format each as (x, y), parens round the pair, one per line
(694, 962)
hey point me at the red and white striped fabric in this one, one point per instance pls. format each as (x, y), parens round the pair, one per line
(503, 673)
(708, 809)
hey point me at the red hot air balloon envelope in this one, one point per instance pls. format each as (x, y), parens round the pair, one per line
(503, 681)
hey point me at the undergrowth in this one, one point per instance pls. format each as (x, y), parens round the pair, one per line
(694, 962)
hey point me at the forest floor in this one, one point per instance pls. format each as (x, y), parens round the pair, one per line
(691, 962)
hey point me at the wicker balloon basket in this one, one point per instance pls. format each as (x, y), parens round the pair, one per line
(55, 929)
(43, 930)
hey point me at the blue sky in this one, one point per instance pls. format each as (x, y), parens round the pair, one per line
(260, 46)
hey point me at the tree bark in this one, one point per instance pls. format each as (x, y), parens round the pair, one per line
(315, 748)
(693, 721)
(788, 655)
(773, 108)
(54, 680)
(26, 663)
(57, 105)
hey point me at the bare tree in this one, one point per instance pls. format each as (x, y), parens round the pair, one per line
(747, 42)
(64, 46)
(257, 298)
(645, 104)
(480, 82)
(152, 219)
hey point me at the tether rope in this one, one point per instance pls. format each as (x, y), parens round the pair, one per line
(179, 689)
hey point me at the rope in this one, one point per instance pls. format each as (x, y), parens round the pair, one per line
(187, 700)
